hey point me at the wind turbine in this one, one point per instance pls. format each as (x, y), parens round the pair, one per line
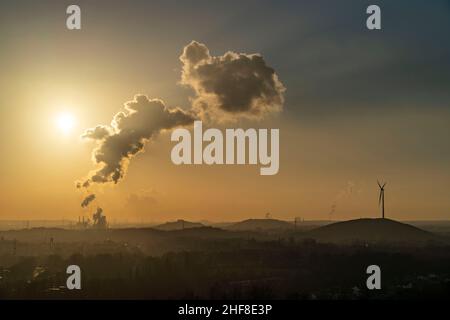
(381, 198)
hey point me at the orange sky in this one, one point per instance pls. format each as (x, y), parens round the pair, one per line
(326, 157)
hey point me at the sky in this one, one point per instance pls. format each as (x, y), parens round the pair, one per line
(359, 105)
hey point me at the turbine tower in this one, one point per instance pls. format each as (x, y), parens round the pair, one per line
(381, 198)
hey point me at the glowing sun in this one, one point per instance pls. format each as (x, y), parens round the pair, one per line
(65, 122)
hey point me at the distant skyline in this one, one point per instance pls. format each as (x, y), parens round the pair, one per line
(359, 106)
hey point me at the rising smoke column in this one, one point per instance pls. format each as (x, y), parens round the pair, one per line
(227, 87)
(87, 200)
(117, 144)
(344, 193)
(99, 220)
(230, 86)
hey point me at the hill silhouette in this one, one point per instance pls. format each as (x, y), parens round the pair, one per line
(178, 225)
(372, 230)
(260, 225)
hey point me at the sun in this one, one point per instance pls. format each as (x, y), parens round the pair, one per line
(65, 122)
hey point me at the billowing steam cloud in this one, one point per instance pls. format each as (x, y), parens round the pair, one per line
(87, 200)
(130, 129)
(231, 85)
(227, 87)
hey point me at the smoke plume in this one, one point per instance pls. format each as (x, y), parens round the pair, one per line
(142, 119)
(232, 85)
(99, 220)
(344, 193)
(87, 200)
(226, 87)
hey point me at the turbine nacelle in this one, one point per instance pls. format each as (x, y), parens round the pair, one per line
(381, 197)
